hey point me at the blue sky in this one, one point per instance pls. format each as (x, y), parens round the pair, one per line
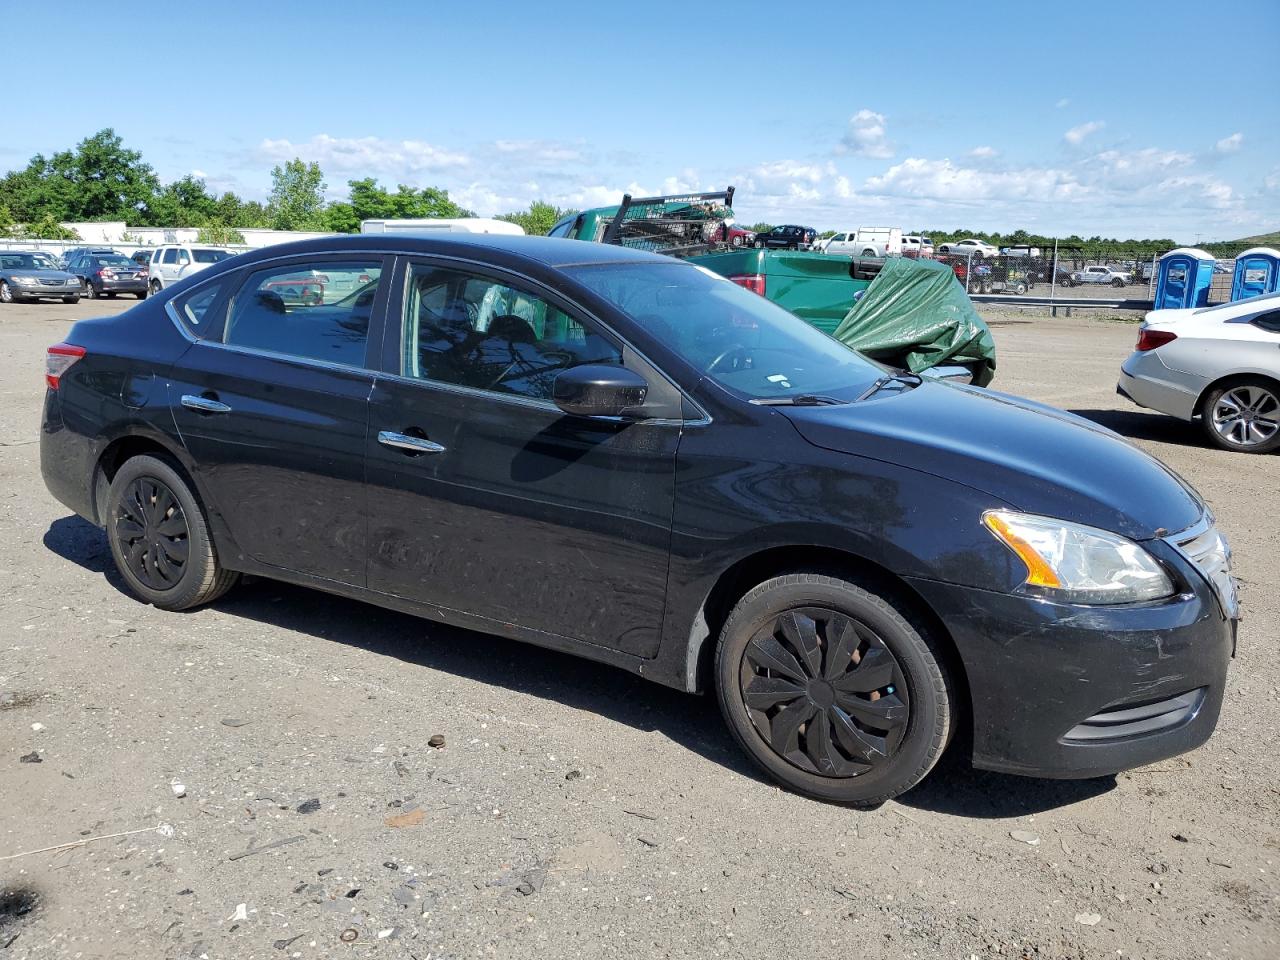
(1129, 119)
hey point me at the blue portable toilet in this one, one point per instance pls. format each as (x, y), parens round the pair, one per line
(1183, 279)
(1257, 272)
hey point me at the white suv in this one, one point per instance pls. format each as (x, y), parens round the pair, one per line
(173, 262)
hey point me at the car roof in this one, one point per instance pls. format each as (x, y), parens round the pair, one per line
(548, 251)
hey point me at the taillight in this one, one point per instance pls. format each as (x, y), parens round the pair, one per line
(106, 273)
(752, 281)
(1150, 339)
(58, 360)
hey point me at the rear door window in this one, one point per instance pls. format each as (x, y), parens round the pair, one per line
(318, 311)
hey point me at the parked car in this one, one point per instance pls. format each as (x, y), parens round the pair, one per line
(977, 249)
(46, 260)
(1110, 276)
(917, 247)
(1219, 365)
(787, 237)
(866, 242)
(173, 262)
(545, 440)
(27, 276)
(108, 274)
(69, 255)
(1020, 252)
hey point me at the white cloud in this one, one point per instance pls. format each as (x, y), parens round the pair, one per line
(867, 135)
(1063, 103)
(539, 150)
(399, 159)
(1077, 135)
(944, 180)
(1229, 144)
(983, 153)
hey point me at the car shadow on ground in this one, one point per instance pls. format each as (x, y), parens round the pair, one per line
(693, 722)
(1137, 425)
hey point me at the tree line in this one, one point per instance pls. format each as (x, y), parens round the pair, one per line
(102, 179)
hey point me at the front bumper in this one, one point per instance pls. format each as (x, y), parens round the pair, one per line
(1074, 692)
(1146, 381)
(36, 291)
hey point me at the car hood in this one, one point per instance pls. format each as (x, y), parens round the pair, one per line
(1030, 456)
(42, 274)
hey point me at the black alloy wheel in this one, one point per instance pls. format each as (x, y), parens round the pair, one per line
(834, 687)
(159, 536)
(825, 692)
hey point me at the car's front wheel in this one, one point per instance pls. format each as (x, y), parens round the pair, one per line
(155, 287)
(159, 537)
(75, 299)
(1243, 415)
(6, 292)
(833, 687)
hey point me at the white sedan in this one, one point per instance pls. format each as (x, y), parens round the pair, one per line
(1218, 364)
(977, 249)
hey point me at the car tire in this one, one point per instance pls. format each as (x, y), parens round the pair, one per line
(774, 644)
(6, 293)
(758, 245)
(141, 294)
(1019, 289)
(152, 519)
(1221, 415)
(736, 241)
(155, 287)
(869, 252)
(1117, 283)
(90, 292)
(71, 299)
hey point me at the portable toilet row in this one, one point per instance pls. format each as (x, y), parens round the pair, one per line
(1257, 272)
(1184, 276)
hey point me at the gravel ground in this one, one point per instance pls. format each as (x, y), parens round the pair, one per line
(573, 810)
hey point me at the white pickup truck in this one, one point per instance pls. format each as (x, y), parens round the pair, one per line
(867, 242)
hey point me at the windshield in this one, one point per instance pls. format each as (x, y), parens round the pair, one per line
(210, 256)
(19, 261)
(738, 338)
(1251, 301)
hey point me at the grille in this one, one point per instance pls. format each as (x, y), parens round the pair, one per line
(53, 283)
(1133, 720)
(1205, 547)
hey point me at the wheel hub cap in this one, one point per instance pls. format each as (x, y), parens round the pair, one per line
(824, 692)
(152, 533)
(1247, 416)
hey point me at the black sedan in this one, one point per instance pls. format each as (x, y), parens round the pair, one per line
(29, 276)
(786, 237)
(621, 455)
(107, 274)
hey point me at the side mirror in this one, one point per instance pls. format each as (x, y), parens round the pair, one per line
(599, 390)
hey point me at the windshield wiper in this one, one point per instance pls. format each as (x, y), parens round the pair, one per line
(911, 379)
(799, 400)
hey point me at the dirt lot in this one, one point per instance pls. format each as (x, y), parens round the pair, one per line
(574, 811)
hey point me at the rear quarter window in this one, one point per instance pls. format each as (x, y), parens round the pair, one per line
(200, 311)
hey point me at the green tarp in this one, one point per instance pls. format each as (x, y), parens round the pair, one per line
(916, 315)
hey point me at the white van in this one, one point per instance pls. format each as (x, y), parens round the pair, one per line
(444, 225)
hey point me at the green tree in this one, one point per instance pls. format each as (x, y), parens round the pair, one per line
(182, 203)
(47, 228)
(219, 234)
(6, 221)
(538, 220)
(297, 197)
(109, 182)
(369, 200)
(762, 227)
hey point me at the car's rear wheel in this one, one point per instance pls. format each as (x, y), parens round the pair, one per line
(1117, 282)
(160, 538)
(90, 291)
(834, 688)
(758, 244)
(1243, 415)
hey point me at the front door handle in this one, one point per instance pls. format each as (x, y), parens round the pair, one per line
(204, 404)
(407, 443)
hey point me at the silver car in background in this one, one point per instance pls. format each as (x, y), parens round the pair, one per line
(1220, 365)
(27, 276)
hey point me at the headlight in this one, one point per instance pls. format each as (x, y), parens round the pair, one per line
(1078, 564)
(25, 281)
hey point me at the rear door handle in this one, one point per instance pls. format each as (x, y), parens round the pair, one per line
(204, 404)
(407, 443)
